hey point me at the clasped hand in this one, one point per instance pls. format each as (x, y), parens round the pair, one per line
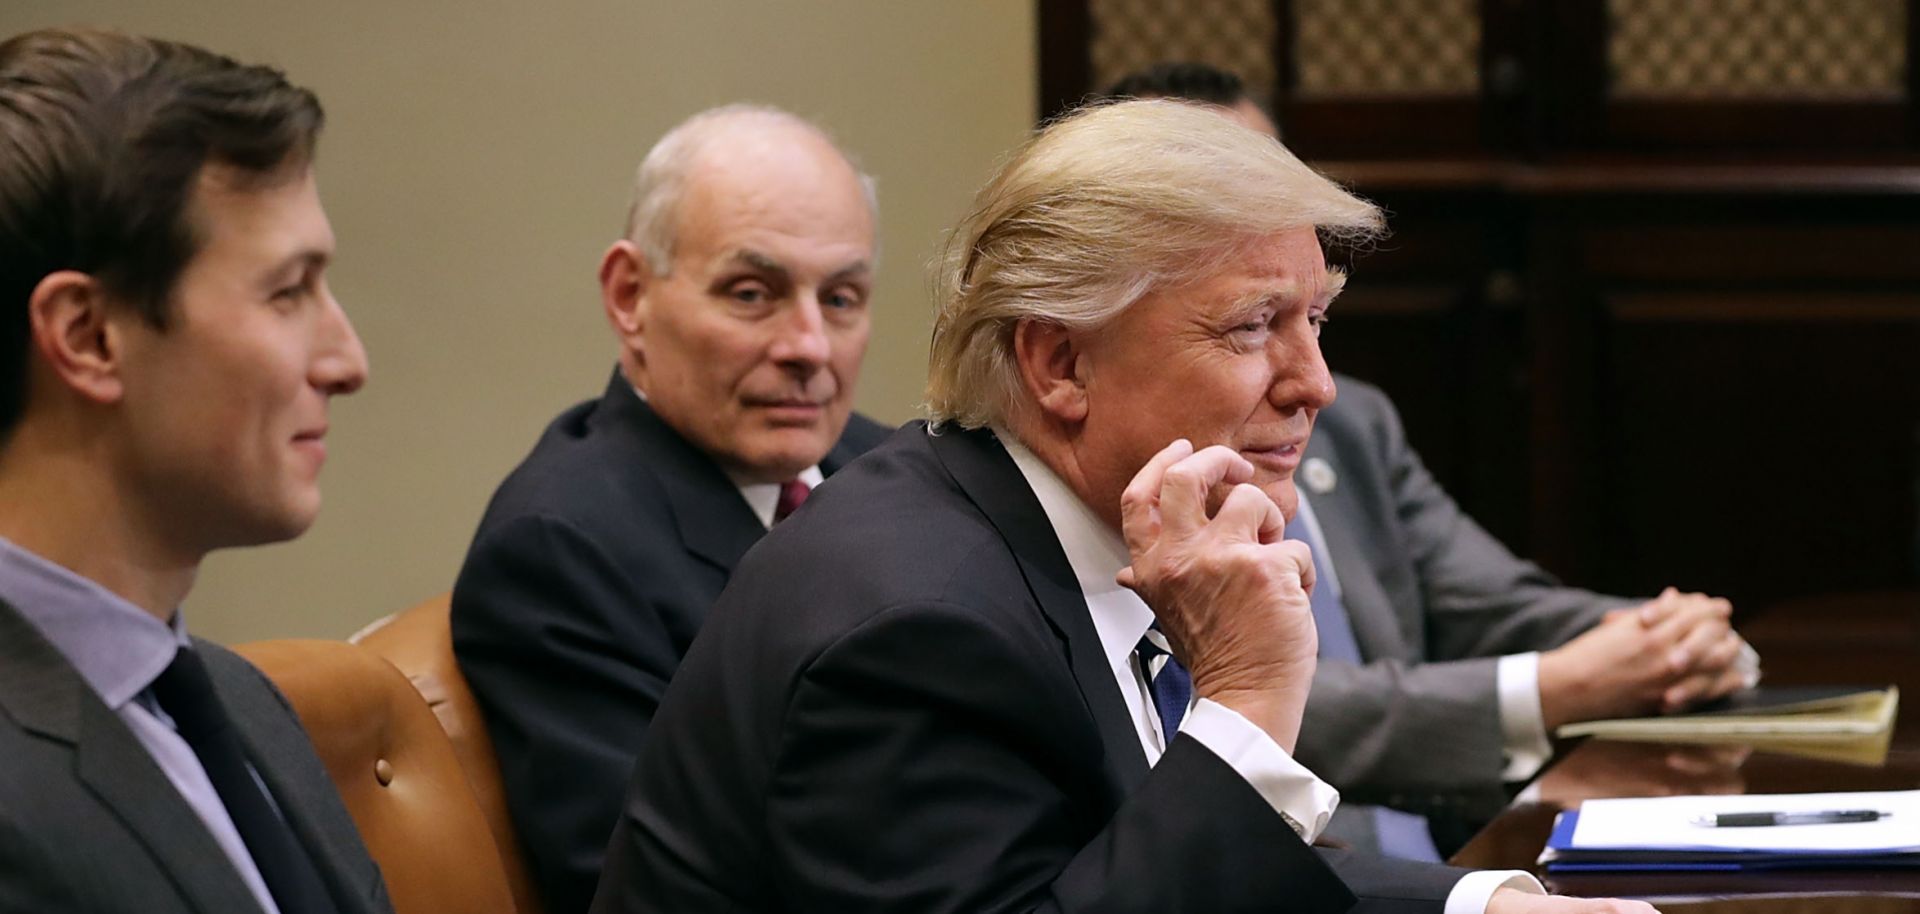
(1660, 657)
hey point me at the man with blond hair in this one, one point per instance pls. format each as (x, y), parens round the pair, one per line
(739, 298)
(1049, 652)
(1445, 660)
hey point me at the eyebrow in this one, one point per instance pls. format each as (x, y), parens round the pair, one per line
(309, 259)
(1331, 284)
(767, 264)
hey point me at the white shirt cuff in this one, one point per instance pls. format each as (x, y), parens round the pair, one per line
(1523, 726)
(1470, 894)
(1300, 797)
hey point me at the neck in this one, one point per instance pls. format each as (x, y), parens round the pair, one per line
(636, 373)
(61, 506)
(1055, 446)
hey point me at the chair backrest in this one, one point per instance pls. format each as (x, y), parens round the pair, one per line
(396, 771)
(419, 641)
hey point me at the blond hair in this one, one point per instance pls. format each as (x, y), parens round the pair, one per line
(1092, 212)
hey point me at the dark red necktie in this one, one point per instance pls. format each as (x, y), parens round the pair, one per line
(793, 494)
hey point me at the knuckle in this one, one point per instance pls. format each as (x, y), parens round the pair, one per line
(1182, 474)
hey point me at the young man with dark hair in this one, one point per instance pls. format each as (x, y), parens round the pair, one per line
(165, 370)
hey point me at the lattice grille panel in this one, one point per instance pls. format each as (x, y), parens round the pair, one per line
(1234, 35)
(1774, 49)
(1387, 47)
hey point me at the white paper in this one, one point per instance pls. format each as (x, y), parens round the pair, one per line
(1666, 823)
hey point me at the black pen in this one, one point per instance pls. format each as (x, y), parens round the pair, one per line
(1761, 819)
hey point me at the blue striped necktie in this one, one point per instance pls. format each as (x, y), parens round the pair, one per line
(1170, 685)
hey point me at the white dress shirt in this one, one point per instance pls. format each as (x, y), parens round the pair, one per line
(1097, 553)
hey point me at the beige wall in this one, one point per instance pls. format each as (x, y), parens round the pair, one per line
(475, 167)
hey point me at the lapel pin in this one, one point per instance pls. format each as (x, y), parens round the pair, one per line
(1319, 476)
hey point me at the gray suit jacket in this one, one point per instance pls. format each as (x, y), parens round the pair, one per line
(1435, 601)
(89, 822)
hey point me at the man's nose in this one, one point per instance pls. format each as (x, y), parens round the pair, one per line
(801, 338)
(340, 361)
(1301, 379)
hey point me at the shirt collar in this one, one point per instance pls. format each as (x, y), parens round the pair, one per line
(1095, 550)
(764, 497)
(117, 647)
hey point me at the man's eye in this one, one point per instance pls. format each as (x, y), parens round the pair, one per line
(290, 294)
(749, 293)
(843, 298)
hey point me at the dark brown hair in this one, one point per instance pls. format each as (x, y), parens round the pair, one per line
(103, 137)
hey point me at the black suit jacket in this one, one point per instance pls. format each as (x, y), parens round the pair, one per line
(592, 570)
(901, 704)
(89, 822)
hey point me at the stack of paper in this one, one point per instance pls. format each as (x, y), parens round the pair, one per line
(1839, 723)
(1668, 833)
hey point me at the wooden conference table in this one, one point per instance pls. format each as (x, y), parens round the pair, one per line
(1866, 640)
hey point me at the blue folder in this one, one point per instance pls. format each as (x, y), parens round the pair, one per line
(1560, 856)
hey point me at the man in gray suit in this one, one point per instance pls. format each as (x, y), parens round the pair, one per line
(164, 380)
(1445, 659)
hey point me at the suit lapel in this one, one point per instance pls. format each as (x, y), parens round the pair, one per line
(714, 522)
(992, 482)
(46, 694)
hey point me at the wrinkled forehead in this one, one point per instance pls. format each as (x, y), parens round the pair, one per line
(786, 182)
(1286, 268)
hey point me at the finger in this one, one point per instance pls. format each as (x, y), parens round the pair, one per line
(1723, 654)
(1248, 515)
(1655, 611)
(1184, 487)
(1672, 634)
(1700, 687)
(1140, 501)
(1711, 645)
(1297, 558)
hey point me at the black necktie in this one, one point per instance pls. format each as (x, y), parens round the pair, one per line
(186, 694)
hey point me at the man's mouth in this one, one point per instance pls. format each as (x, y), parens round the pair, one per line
(1280, 457)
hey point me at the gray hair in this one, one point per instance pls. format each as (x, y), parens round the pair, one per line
(1091, 213)
(660, 182)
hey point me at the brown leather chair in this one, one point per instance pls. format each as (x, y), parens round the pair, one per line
(419, 642)
(397, 772)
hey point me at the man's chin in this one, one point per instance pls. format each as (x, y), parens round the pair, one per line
(779, 461)
(1284, 495)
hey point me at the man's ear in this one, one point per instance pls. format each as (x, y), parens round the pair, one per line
(625, 279)
(1053, 368)
(68, 324)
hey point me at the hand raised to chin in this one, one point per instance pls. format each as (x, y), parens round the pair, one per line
(1230, 592)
